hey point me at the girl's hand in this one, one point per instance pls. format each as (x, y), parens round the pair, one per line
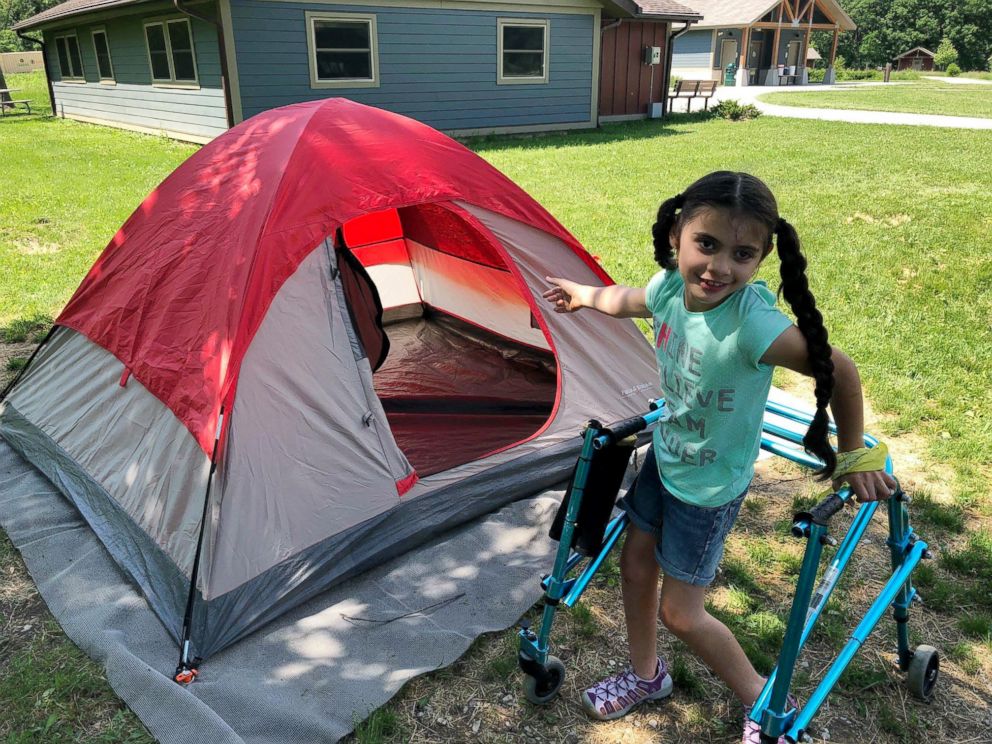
(876, 485)
(563, 295)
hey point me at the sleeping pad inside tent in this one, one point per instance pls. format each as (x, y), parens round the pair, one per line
(318, 343)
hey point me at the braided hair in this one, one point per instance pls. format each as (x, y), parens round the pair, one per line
(749, 197)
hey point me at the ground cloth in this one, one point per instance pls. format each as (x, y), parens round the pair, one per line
(311, 675)
(314, 673)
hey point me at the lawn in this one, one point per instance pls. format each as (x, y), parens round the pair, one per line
(918, 97)
(895, 224)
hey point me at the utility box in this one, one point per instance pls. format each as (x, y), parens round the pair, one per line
(652, 55)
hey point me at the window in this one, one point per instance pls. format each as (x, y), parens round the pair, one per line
(170, 52)
(102, 49)
(523, 51)
(343, 51)
(70, 63)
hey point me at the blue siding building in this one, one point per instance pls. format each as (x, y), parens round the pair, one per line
(463, 66)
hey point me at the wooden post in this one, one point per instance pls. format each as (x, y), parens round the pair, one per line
(775, 40)
(833, 49)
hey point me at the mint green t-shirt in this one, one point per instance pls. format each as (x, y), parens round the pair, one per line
(714, 385)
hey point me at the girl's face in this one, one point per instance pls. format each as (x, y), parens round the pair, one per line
(717, 254)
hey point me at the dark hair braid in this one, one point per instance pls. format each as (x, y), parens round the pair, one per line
(795, 288)
(662, 229)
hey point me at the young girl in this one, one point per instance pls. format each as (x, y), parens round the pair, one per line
(718, 336)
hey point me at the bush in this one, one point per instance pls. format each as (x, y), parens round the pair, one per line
(905, 75)
(953, 70)
(816, 75)
(988, 63)
(735, 110)
(859, 75)
(945, 55)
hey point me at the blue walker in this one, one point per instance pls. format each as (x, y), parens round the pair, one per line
(593, 491)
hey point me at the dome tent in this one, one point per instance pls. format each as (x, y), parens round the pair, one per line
(318, 343)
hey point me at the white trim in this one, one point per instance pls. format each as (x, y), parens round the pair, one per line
(81, 77)
(181, 136)
(617, 118)
(311, 18)
(171, 81)
(504, 23)
(597, 38)
(234, 81)
(106, 40)
(523, 129)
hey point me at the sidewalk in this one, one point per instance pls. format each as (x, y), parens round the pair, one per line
(750, 94)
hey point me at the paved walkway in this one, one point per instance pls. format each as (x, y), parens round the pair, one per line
(959, 80)
(749, 94)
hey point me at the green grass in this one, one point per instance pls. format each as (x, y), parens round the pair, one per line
(67, 188)
(894, 221)
(923, 97)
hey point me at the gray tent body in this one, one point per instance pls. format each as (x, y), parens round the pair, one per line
(305, 491)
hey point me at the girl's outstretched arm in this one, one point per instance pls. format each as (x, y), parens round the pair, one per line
(846, 405)
(616, 300)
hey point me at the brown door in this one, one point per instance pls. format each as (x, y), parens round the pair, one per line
(754, 51)
(626, 84)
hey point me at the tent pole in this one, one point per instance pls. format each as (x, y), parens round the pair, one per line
(186, 671)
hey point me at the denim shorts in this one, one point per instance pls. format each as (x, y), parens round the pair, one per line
(690, 538)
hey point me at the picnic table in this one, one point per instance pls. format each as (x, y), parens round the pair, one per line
(6, 100)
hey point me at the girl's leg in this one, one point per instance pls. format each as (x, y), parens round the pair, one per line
(639, 579)
(684, 614)
(646, 678)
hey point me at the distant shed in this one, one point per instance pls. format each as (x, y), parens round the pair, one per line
(915, 59)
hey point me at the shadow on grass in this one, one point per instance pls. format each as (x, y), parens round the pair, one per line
(608, 133)
(21, 330)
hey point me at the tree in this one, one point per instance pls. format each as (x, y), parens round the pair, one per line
(945, 55)
(873, 51)
(14, 11)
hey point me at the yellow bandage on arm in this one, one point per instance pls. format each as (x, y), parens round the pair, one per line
(863, 460)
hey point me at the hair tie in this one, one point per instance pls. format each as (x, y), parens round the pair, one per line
(780, 224)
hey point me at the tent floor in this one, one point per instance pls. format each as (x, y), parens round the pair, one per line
(453, 392)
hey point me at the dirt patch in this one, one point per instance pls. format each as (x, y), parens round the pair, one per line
(10, 352)
(480, 699)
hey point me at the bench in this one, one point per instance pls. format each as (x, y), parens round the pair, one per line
(26, 102)
(788, 79)
(690, 89)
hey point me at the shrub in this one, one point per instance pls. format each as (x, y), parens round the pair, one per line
(945, 55)
(988, 63)
(953, 70)
(859, 75)
(735, 110)
(816, 75)
(905, 75)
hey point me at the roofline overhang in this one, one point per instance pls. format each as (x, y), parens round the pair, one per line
(915, 49)
(630, 9)
(30, 23)
(843, 22)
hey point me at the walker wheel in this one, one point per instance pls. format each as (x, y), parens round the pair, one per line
(924, 668)
(543, 691)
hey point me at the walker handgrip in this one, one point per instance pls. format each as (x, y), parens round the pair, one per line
(819, 514)
(621, 430)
